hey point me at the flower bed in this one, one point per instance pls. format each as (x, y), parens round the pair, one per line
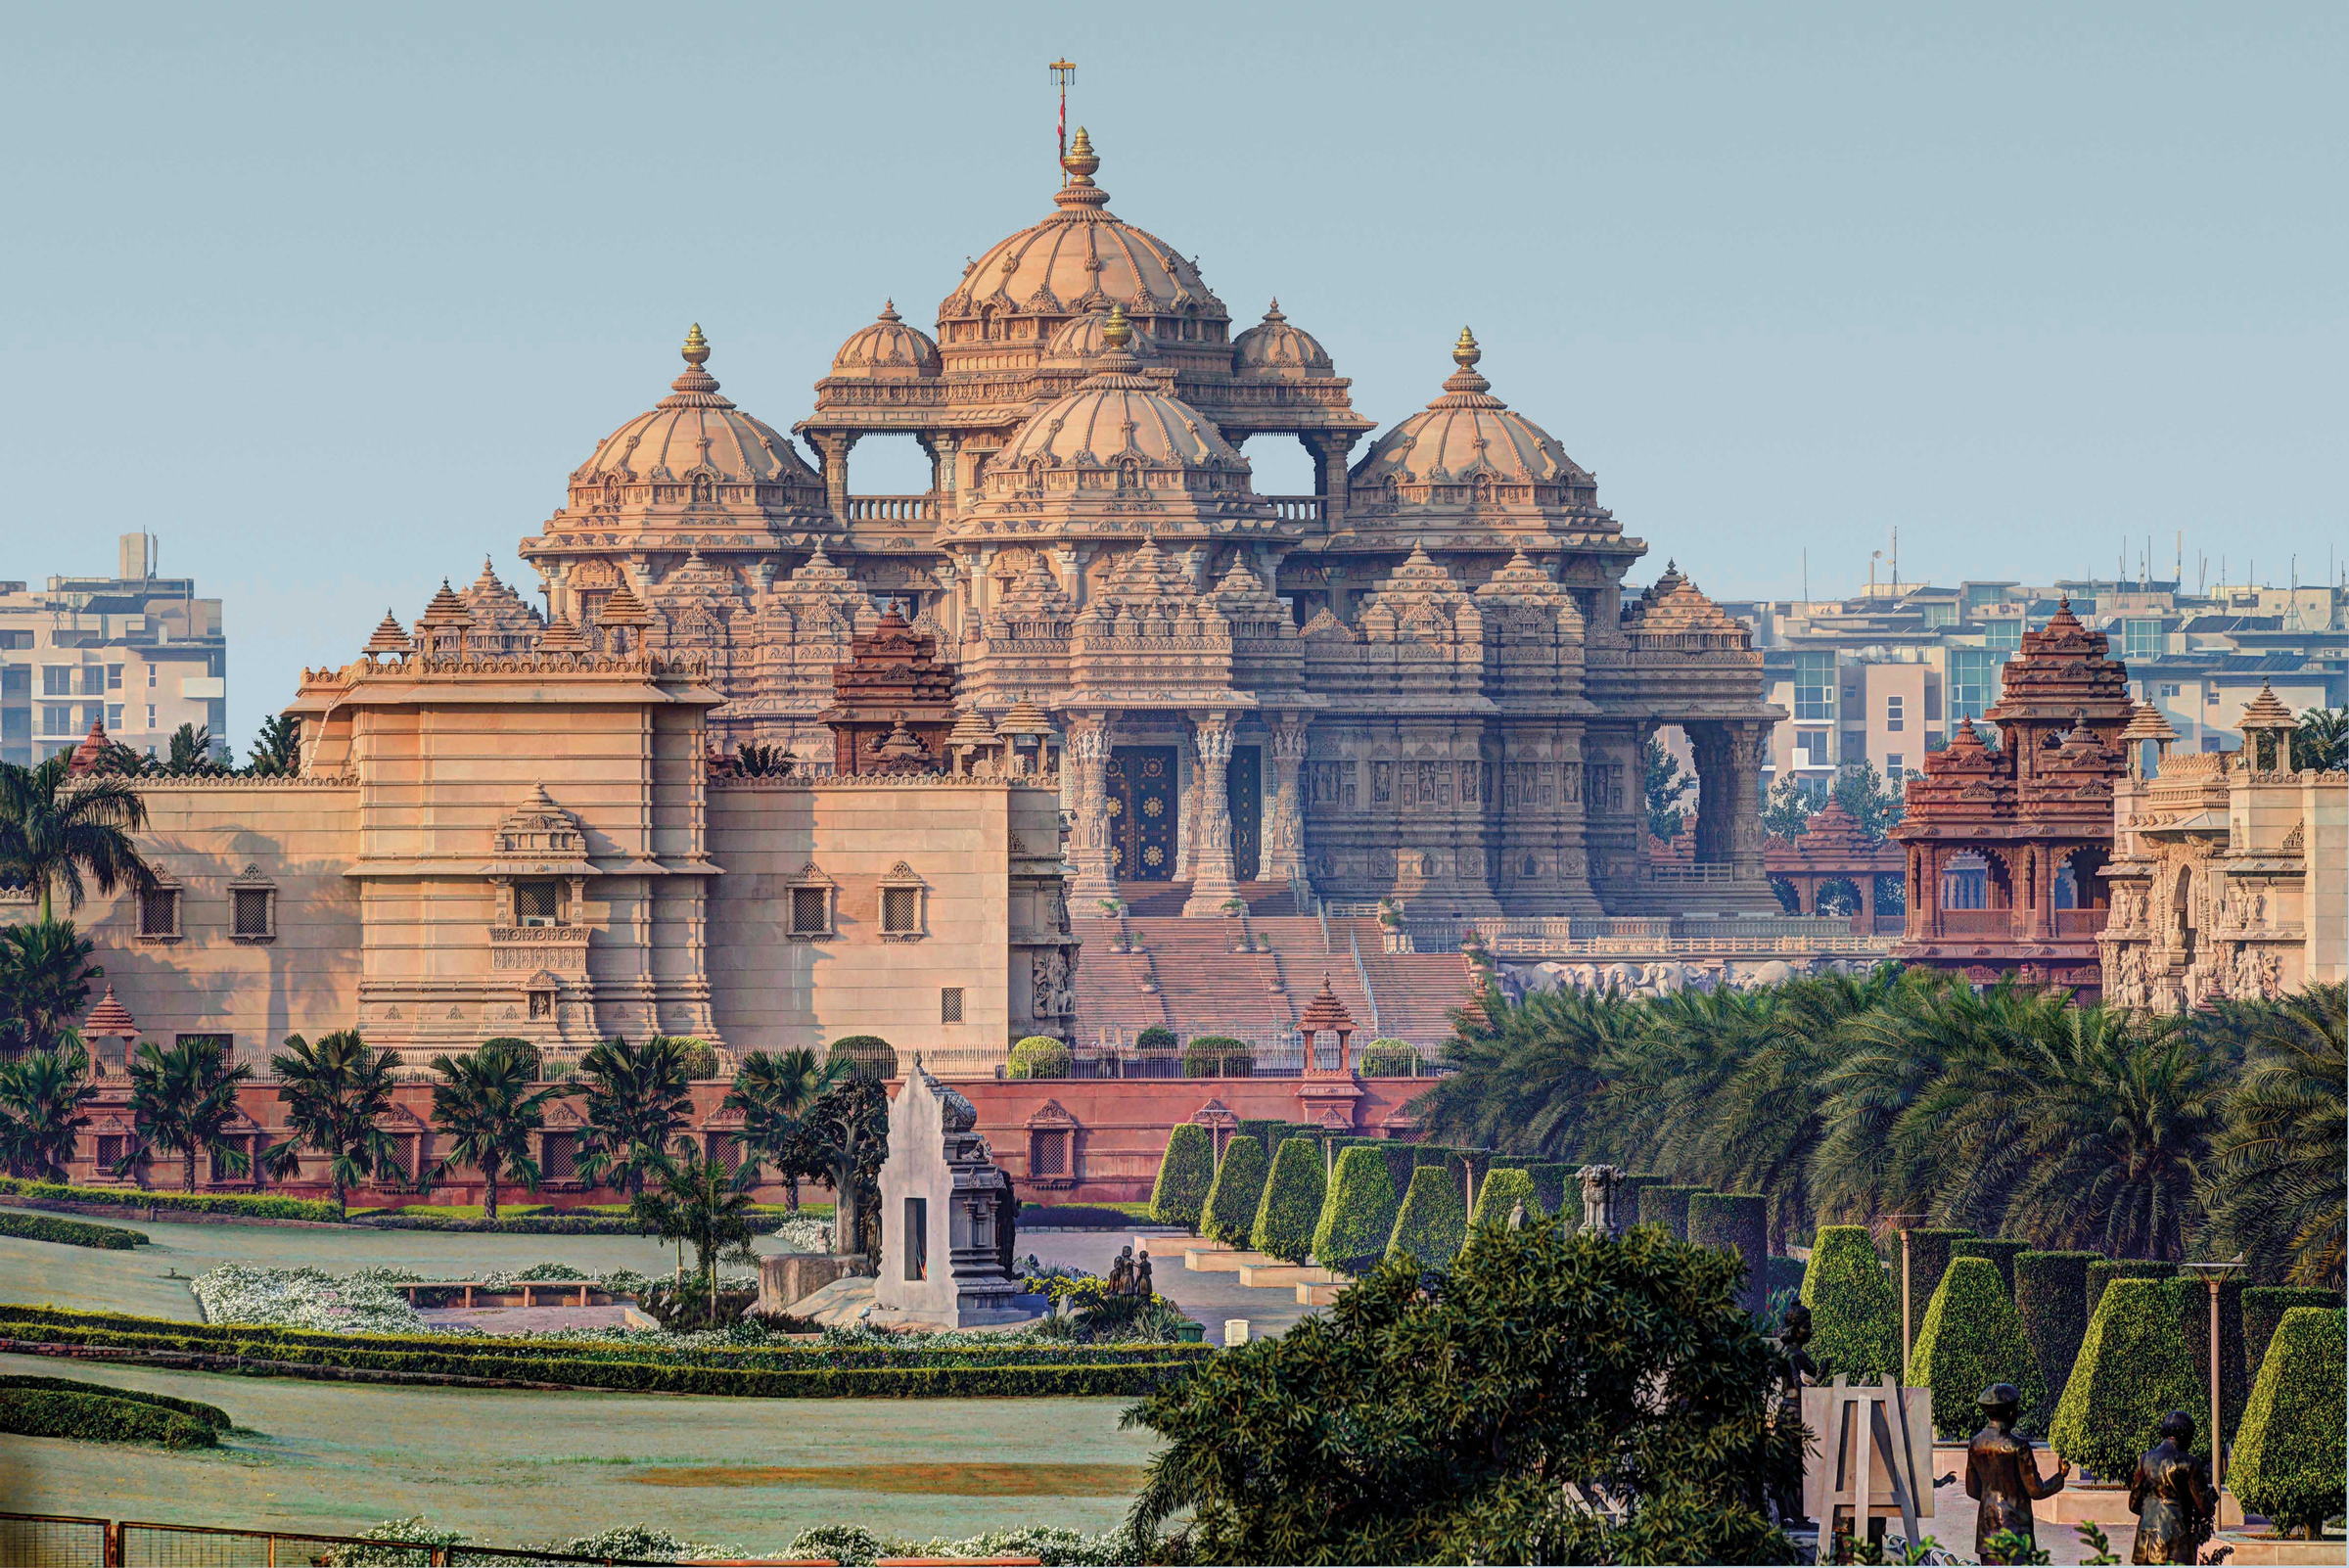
(69, 1232)
(361, 1301)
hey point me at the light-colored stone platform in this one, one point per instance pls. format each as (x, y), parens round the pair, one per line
(1285, 1275)
(1222, 1261)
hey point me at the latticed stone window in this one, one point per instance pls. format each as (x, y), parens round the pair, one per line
(810, 911)
(538, 903)
(725, 1152)
(904, 899)
(158, 913)
(559, 1159)
(950, 1004)
(252, 913)
(1048, 1156)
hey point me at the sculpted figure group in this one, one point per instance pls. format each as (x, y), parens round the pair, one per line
(2170, 1492)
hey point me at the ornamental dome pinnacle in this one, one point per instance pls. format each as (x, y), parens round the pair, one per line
(888, 349)
(1274, 348)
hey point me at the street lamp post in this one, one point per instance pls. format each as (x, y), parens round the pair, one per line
(2214, 1275)
(1905, 1223)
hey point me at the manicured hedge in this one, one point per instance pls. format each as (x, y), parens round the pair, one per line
(1429, 1154)
(2291, 1459)
(1184, 1173)
(1468, 1168)
(2132, 1370)
(1928, 1260)
(1627, 1199)
(1499, 1194)
(1389, 1058)
(1218, 1056)
(1784, 1273)
(1855, 1316)
(1267, 1134)
(1291, 1206)
(2105, 1271)
(2193, 1296)
(69, 1232)
(1433, 1220)
(2051, 1296)
(1358, 1214)
(2264, 1307)
(1554, 1187)
(1238, 1188)
(99, 1418)
(1666, 1206)
(210, 1415)
(553, 1225)
(1039, 1057)
(1073, 1217)
(1740, 1222)
(2002, 1254)
(1972, 1337)
(256, 1206)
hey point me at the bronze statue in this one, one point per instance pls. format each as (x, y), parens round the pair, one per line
(1142, 1273)
(1794, 1333)
(2172, 1496)
(2001, 1471)
(1121, 1272)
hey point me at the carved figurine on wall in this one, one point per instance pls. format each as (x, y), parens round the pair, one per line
(2172, 1496)
(2000, 1473)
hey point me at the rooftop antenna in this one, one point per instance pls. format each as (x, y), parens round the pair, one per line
(1063, 73)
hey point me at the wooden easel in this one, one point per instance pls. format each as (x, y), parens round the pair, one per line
(1874, 1442)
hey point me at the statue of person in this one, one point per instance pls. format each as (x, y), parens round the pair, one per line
(1794, 1334)
(2001, 1473)
(2172, 1496)
(1121, 1272)
(1141, 1274)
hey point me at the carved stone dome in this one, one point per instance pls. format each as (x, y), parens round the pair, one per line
(1118, 418)
(1082, 259)
(1274, 349)
(1466, 435)
(887, 350)
(1084, 340)
(694, 446)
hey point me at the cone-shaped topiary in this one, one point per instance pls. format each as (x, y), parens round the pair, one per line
(1999, 1251)
(1433, 1221)
(2192, 1294)
(1499, 1195)
(1855, 1318)
(2132, 1370)
(1973, 1338)
(1291, 1206)
(1554, 1186)
(1740, 1222)
(1238, 1188)
(2264, 1307)
(1358, 1215)
(2104, 1270)
(1184, 1173)
(2051, 1296)
(2290, 1459)
(1928, 1260)
(1666, 1206)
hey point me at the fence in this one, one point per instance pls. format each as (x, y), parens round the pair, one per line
(1113, 1055)
(63, 1540)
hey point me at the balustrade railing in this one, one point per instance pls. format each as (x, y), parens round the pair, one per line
(1978, 922)
(1299, 508)
(2081, 922)
(894, 508)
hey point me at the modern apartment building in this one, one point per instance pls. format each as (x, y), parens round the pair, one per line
(1883, 677)
(139, 653)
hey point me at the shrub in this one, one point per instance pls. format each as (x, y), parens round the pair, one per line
(2104, 1270)
(867, 1055)
(701, 1057)
(1429, 1154)
(1740, 1222)
(1390, 1058)
(1784, 1274)
(1075, 1216)
(522, 1051)
(1666, 1206)
(1627, 1198)
(210, 1415)
(2264, 1307)
(1855, 1318)
(99, 1418)
(1266, 1133)
(1358, 1215)
(2000, 1253)
(1157, 1037)
(1554, 1187)
(2051, 1297)
(1972, 1337)
(1184, 1173)
(1499, 1196)
(1433, 1221)
(1039, 1057)
(1291, 1206)
(1928, 1260)
(2132, 1370)
(255, 1206)
(1233, 1195)
(69, 1232)
(2290, 1459)
(1218, 1056)
(2193, 1327)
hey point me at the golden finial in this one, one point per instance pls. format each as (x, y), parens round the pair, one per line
(697, 347)
(889, 311)
(1116, 332)
(1080, 159)
(1465, 354)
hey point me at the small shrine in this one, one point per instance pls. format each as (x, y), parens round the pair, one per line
(947, 1213)
(893, 703)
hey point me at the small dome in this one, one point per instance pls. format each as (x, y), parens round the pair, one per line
(1116, 418)
(1083, 340)
(695, 438)
(1274, 348)
(1464, 433)
(887, 350)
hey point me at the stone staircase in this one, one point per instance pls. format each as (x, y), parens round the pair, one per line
(1189, 977)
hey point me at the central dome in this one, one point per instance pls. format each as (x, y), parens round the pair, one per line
(1079, 259)
(1116, 418)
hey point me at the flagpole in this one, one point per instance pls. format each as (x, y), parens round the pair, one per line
(1062, 70)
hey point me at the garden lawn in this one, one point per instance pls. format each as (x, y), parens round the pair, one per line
(86, 1279)
(515, 1466)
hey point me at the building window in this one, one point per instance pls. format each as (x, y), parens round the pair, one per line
(812, 911)
(113, 715)
(158, 914)
(725, 1152)
(2002, 636)
(114, 677)
(559, 1157)
(902, 900)
(950, 1004)
(1893, 714)
(57, 680)
(1973, 681)
(57, 719)
(1050, 1155)
(93, 681)
(2141, 639)
(150, 680)
(1892, 767)
(151, 715)
(2169, 690)
(253, 913)
(1810, 748)
(1814, 685)
(538, 903)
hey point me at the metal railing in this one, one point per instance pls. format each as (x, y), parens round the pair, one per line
(65, 1541)
(1361, 973)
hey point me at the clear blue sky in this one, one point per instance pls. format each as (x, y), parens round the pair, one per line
(332, 297)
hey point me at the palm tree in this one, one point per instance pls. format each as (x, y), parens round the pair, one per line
(2321, 739)
(183, 1100)
(333, 1092)
(774, 1094)
(1530, 1076)
(46, 978)
(2275, 1185)
(42, 1096)
(637, 1100)
(697, 1203)
(486, 1107)
(1890, 1056)
(55, 828)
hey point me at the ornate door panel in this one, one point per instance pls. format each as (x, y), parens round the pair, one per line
(1141, 813)
(1244, 786)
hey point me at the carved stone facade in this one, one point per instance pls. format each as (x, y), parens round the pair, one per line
(1420, 681)
(2229, 870)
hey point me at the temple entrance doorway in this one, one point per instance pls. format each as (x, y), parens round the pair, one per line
(1141, 813)
(1244, 787)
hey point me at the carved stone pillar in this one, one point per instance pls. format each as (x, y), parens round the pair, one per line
(1284, 829)
(832, 447)
(1749, 749)
(1329, 471)
(1714, 750)
(1089, 738)
(1212, 881)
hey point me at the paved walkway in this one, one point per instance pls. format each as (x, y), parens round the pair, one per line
(1210, 1297)
(532, 1320)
